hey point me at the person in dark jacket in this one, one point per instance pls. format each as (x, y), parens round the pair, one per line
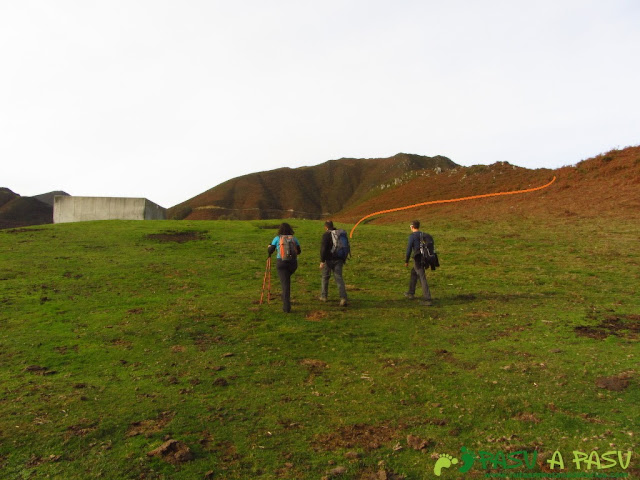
(417, 272)
(286, 263)
(329, 263)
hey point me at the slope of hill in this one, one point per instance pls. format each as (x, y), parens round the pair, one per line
(23, 212)
(48, 197)
(307, 192)
(17, 211)
(6, 195)
(604, 185)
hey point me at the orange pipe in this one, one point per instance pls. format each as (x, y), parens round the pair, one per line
(433, 202)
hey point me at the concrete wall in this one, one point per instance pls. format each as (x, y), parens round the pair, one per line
(81, 209)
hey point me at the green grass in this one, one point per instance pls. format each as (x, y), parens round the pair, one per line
(139, 341)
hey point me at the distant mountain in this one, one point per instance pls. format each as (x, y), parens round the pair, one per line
(6, 195)
(24, 212)
(307, 192)
(349, 189)
(17, 211)
(48, 197)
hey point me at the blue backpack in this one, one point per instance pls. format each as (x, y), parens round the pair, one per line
(340, 248)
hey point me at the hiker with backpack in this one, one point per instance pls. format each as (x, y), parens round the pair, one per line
(288, 248)
(421, 245)
(334, 249)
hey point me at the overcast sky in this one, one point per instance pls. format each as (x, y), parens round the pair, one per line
(166, 99)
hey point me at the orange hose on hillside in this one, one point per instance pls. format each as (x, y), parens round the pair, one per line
(513, 192)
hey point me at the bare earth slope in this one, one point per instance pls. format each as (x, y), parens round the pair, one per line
(607, 184)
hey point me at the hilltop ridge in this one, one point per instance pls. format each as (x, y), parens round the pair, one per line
(306, 192)
(347, 189)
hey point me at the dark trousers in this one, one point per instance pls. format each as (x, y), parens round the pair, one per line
(417, 272)
(285, 270)
(334, 266)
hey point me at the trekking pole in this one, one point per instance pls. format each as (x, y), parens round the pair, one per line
(267, 274)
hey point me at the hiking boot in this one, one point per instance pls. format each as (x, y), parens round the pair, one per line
(322, 299)
(426, 303)
(343, 302)
(409, 295)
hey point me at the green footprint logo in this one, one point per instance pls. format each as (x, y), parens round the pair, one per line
(468, 458)
(445, 461)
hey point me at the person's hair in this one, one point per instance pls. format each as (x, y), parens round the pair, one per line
(329, 225)
(416, 224)
(285, 229)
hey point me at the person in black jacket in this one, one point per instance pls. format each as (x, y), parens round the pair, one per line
(285, 266)
(329, 263)
(413, 246)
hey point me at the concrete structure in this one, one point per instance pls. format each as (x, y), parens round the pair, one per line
(81, 209)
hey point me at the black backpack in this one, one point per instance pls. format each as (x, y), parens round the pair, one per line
(429, 257)
(340, 248)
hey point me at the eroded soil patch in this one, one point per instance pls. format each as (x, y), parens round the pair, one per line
(149, 427)
(177, 236)
(626, 326)
(615, 383)
(316, 315)
(367, 437)
(172, 451)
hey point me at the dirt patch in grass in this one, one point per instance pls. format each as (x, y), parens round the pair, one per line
(381, 474)
(23, 230)
(177, 236)
(149, 427)
(316, 315)
(63, 350)
(615, 383)
(626, 326)
(122, 343)
(527, 417)
(80, 430)
(268, 227)
(314, 365)
(417, 443)
(204, 341)
(39, 370)
(172, 451)
(367, 437)
(449, 357)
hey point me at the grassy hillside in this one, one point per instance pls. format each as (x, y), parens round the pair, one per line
(118, 337)
(306, 192)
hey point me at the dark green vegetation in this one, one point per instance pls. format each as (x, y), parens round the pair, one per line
(116, 337)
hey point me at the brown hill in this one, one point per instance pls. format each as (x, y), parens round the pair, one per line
(23, 212)
(48, 198)
(607, 184)
(6, 196)
(306, 192)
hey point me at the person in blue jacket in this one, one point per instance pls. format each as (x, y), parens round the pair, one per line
(288, 248)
